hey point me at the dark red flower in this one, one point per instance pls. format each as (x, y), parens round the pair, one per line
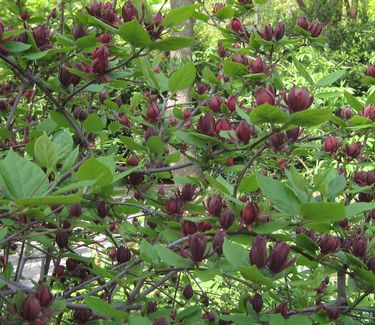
(44, 295)
(218, 6)
(257, 303)
(188, 291)
(105, 38)
(103, 11)
(250, 213)
(197, 243)
(331, 145)
(236, 25)
(201, 88)
(215, 103)
(258, 252)
(153, 112)
(222, 125)
(266, 33)
(76, 210)
(159, 321)
(42, 36)
(82, 315)
(278, 258)
(371, 264)
(231, 103)
(353, 150)
(333, 312)
(187, 192)
(218, 241)
(244, 132)
(31, 308)
(298, 99)
(129, 12)
(258, 66)
(303, 23)
(226, 218)
(78, 32)
(62, 239)
(101, 209)
(123, 254)
(359, 247)
(239, 58)
(293, 134)
(279, 31)
(189, 227)
(72, 264)
(370, 70)
(282, 309)
(221, 50)
(214, 205)
(276, 141)
(100, 52)
(369, 112)
(65, 77)
(315, 29)
(329, 244)
(263, 95)
(173, 206)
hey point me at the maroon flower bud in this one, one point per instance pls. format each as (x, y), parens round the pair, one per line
(129, 12)
(151, 307)
(215, 103)
(65, 77)
(328, 244)
(263, 95)
(236, 25)
(31, 308)
(44, 296)
(360, 178)
(210, 316)
(197, 243)
(222, 125)
(206, 125)
(298, 99)
(101, 209)
(42, 36)
(153, 112)
(371, 264)
(231, 103)
(278, 258)
(102, 11)
(346, 113)
(293, 134)
(303, 23)
(173, 206)
(344, 223)
(132, 161)
(257, 303)
(244, 132)
(279, 31)
(72, 264)
(123, 254)
(53, 13)
(250, 213)
(189, 227)
(282, 309)
(62, 239)
(315, 29)
(365, 197)
(218, 241)
(258, 66)
(78, 32)
(369, 112)
(100, 52)
(159, 321)
(187, 114)
(276, 141)
(214, 205)
(322, 288)
(218, 6)
(82, 315)
(113, 254)
(226, 218)
(76, 210)
(331, 145)
(230, 161)
(333, 313)
(359, 247)
(104, 38)
(266, 33)
(187, 192)
(24, 16)
(188, 291)
(221, 50)
(258, 252)
(238, 58)
(1, 30)
(59, 271)
(353, 150)
(201, 88)
(100, 66)
(370, 70)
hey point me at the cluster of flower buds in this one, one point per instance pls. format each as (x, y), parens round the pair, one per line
(100, 63)
(35, 305)
(268, 33)
(103, 11)
(315, 29)
(365, 178)
(42, 37)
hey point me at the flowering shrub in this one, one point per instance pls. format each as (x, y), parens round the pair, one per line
(277, 230)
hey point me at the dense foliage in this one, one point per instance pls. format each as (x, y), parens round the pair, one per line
(275, 226)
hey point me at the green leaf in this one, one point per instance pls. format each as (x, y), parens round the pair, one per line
(133, 33)
(103, 308)
(252, 274)
(94, 123)
(279, 195)
(92, 169)
(236, 254)
(15, 47)
(190, 139)
(138, 320)
(179, 15)
(148, 73)
(172, 43)
(209, 76)
(298, 320)
(267, 113)
(132, 145)
(45, 151)
(3, 232)
(155, 144)
(148, 252)
(219, 183)
(51, 199)
(248, 184)
(182, 78)
(88, 41)
(270, 227)
(277, 319)
(63, 143)
(225, 13)
(330, 79)
(19, 178)
(234, 69)
(353, 102)
(323, 211)
(171, 258)
(310, 118)
(357, 208)
(303, 72)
